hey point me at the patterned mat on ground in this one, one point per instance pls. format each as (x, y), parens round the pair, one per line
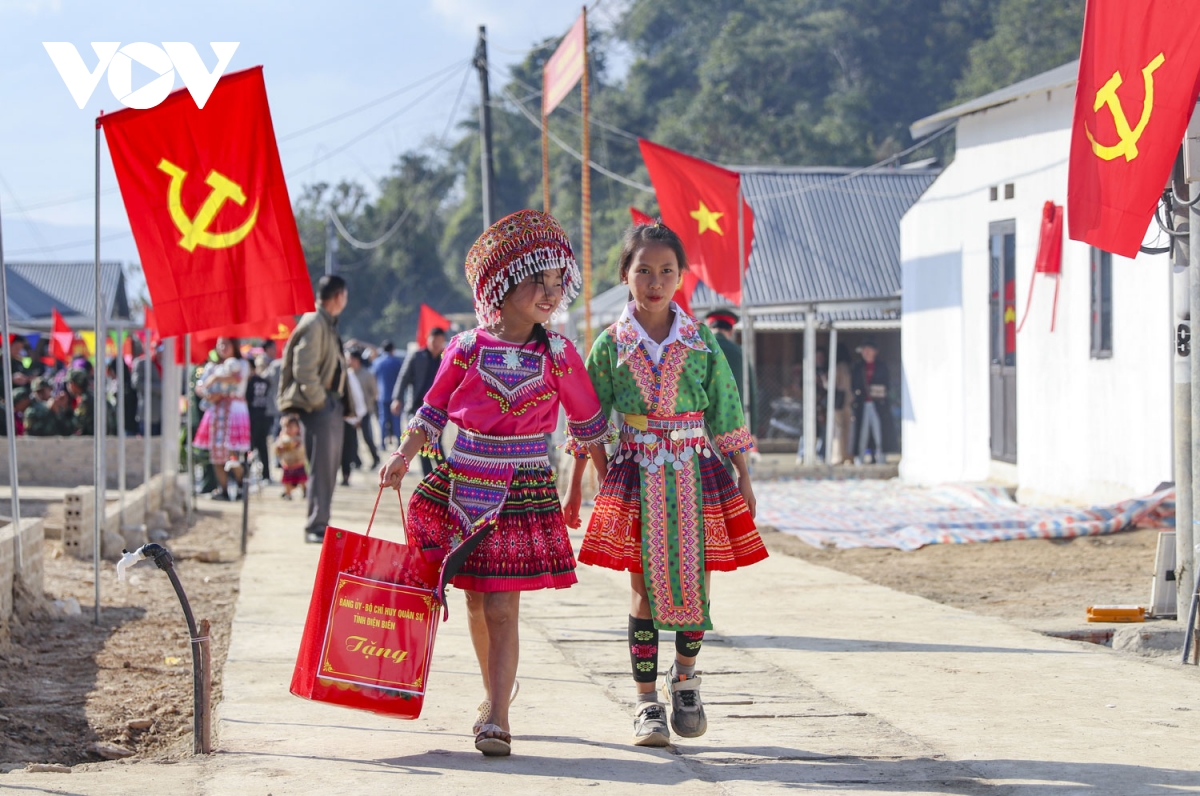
(847, 514)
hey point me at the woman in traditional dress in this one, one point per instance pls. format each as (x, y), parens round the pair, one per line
(491, 510)
(668, 512)
(225, 427)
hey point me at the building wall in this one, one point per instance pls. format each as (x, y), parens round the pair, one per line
(1088, 430)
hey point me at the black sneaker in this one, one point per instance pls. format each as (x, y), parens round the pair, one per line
(650, 725)
(687, 711)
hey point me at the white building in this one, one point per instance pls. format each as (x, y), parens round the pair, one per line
(1081, 414)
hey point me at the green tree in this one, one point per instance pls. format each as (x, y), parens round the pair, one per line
(1028, 37)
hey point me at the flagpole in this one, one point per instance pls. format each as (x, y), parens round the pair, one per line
(586, 208)
(99, 405)
(747, 321)
(10, 415)
(191, 469)
(147, 413)
(122, 469)
(545, 161)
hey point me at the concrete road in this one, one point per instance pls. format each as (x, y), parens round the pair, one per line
(814, 680)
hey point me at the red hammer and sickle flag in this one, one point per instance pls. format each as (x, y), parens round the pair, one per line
(209, 208)
(1137, 87)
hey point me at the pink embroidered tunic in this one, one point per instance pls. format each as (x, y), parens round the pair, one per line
(492, 510)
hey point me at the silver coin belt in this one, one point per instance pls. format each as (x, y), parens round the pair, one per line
(665, 443)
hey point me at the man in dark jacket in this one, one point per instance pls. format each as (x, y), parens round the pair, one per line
(416, 377)
(873, 416)
(312, 383)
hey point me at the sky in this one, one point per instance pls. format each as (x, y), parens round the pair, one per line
(320, 59)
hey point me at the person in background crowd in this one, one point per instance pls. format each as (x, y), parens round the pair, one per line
(416, 378)
(259, 399)
(131, 409)
(271, 374)
(289, 447)
(843, 413)
(722, 323)
(370, 393)
(22, 398)
(16, 355)
(869, 381)
(83, 408)
(47, 415)
(312, 383)
(225, 427)
(386, 369)
(154, 400)
(358, 410)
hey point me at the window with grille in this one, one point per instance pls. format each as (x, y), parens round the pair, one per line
(1101, 314)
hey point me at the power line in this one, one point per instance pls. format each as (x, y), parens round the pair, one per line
(612, 175)
(72, 245)
(857, 172)
(390, 95)
(420, 194)
(374, 128)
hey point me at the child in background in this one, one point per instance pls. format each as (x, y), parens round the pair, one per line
(668, 511)
(289, 448)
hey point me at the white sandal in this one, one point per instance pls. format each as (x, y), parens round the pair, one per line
(485, 708)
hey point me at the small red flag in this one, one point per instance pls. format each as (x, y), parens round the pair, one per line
(61, 337)
(699, 202)
(428, 321)
(683, 294)
(209, 208)
(1138, 72)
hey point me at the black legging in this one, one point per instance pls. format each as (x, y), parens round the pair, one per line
(260, 429)
(349, 449)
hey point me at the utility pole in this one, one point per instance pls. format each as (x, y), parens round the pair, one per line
(485, 127)
(331, 245)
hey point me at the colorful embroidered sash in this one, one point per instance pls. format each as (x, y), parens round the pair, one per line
(482, 468)
(668, 450)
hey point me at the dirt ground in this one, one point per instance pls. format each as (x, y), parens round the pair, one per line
(1036, 582)
(66, 684)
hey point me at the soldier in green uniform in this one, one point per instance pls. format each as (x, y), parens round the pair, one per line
(82, 421)
(49, 414)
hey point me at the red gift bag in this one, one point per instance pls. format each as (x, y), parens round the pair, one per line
(371, 623)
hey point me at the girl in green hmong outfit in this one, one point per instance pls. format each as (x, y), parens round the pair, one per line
(668, 512)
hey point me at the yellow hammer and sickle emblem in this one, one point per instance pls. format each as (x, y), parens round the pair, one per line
(195, 230)
(1107, 95)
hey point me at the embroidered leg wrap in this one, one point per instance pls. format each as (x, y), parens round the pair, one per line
(643, 649)
(687, 642)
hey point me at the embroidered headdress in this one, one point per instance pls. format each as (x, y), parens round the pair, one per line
(524, 243)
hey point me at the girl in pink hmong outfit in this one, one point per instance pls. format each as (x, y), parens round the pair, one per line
(491, 510)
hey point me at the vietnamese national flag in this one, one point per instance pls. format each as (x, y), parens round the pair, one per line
(61, 337)
(683, 294)
(699, 203)
(1138, 72)
(205, 195)
(428, 321)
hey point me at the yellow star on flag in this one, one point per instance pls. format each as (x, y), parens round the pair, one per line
(707, 219)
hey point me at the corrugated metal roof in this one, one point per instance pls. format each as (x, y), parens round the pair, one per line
(1058, 77)
(825, 234)
(25, 301)
(72, 286)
